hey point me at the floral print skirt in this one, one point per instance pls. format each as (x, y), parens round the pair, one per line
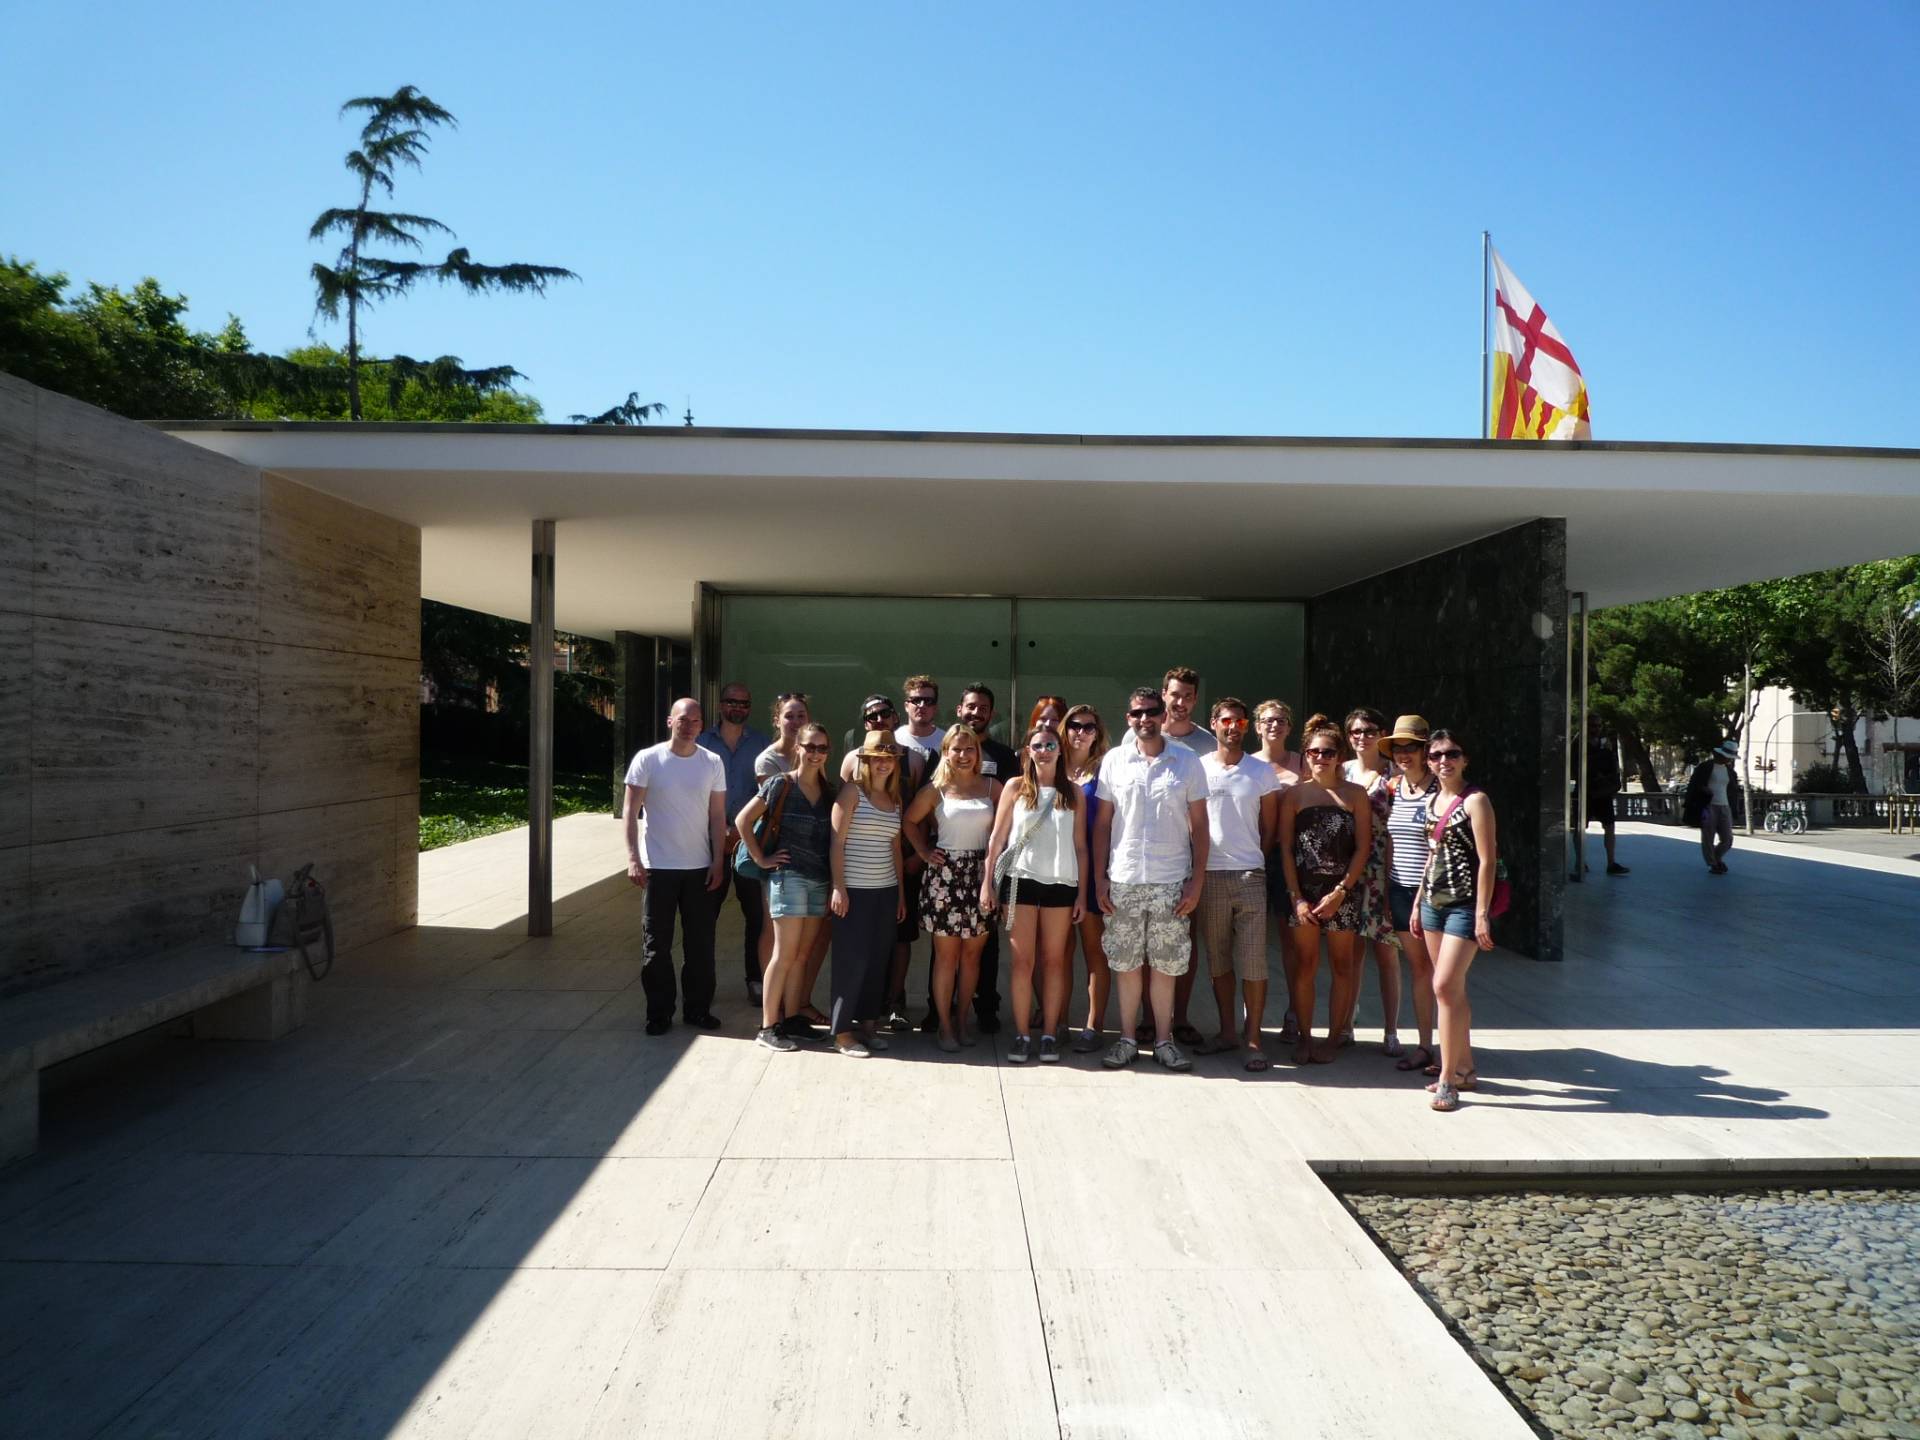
(950, 895)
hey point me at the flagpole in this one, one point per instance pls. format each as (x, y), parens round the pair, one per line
(1486, 268)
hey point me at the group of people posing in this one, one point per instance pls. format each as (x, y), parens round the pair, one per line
(1152, 848)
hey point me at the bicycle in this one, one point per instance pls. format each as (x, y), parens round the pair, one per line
(1787, 817)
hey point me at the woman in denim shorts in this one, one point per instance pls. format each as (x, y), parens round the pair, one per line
(1462, 866)
(799, 880)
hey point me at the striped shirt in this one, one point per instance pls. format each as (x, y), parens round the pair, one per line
(870, 836)
(1410, 824)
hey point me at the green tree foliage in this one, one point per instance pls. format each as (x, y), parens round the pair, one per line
(398, 389)
(1661, 676)
(1668, 672)
(396, 134)
(125, 351)
(631, 411)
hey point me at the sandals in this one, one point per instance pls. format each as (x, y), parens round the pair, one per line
(1256, 1062)
(1189, 1036)
(1390, 1045)
(1468, 1081)
(1446, 1099)
(1428, 1055)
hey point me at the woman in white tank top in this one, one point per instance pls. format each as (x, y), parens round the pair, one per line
(1038, 832)
(960, 802)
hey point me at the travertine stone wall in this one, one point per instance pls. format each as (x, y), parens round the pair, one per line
(1475, 639)
(207, 666)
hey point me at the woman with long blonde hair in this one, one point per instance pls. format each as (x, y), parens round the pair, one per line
(959, 801)
(869, 897)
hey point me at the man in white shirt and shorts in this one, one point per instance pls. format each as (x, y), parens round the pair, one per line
(1150, 859)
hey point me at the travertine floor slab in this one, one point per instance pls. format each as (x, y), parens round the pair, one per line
(767, 1214)
(889, 1106)
(822, 1355)
(1256, 1353)
(471, 1197)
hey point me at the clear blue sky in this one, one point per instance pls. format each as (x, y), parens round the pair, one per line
(1252, 218)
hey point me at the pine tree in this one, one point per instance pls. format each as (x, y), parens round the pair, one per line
(396, 134)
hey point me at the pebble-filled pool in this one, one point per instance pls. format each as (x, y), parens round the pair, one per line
(1760, 1314)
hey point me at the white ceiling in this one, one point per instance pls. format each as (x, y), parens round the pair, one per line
(645, 513)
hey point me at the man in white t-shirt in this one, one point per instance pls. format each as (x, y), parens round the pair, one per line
(1149, 858)
(1180, 692)
(923, 708)
(1243, 812)
(676, 856)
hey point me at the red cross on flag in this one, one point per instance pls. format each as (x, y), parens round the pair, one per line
(1538, 391)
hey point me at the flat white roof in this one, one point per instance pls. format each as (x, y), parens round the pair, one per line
(646, 512)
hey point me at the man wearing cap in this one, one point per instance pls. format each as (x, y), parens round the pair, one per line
(1710, 804)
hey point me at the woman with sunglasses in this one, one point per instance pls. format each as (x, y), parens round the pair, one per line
(1364, 727)
(799, 872)
(960, 803)
(1038, 827)
(869, 899)
(1411, 792)
(782, 757)
(1085, 739)
(1455, 895)
(1326, 834)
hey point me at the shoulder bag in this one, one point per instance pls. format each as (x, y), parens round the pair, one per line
(767, 834)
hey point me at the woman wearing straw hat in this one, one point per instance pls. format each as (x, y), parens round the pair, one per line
(868, 899)
(1411, 790)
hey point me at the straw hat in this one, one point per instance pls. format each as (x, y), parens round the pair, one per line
(878, 742)
(1407, 729)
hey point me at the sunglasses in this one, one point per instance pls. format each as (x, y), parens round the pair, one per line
(786, 695)
(1446, 754)
(1324, 754)
(816, 748)
(1044, 747)
(1082, 725)
(1273, 720)
(730, 703)
(873, 715)
(1237, 722)
(1407, 747)
(1146, 714)
(1363, 730)
(923, 699)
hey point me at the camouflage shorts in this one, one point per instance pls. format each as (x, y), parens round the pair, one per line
(1144, 929)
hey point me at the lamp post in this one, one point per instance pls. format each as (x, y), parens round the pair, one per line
(1768, 742)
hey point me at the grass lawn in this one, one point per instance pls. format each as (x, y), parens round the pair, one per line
(463, 802)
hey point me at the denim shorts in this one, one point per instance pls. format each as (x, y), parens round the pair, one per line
(795, 897)
(1400, 904)
(1454, 920)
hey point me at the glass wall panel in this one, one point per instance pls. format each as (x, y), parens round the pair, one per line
(840, 649)
(1097, 650)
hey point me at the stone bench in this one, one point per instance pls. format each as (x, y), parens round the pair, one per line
(231, 995)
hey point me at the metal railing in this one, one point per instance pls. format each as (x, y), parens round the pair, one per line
(1854, 812)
